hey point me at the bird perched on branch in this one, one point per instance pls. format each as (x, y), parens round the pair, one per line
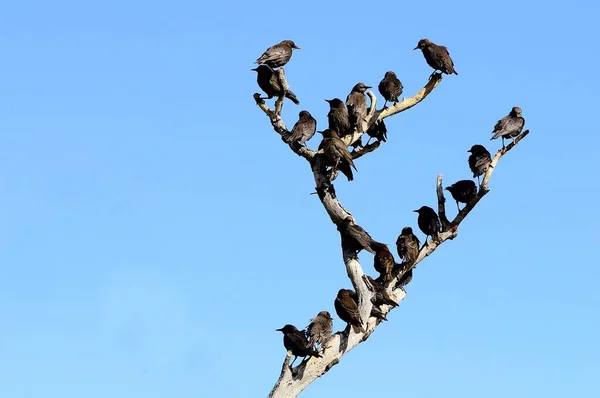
(269, 83)
(429, 222)
(278, 54)
(356, 102)
(408, 246)
(381, 295)
(405, 279)
(338, 117)
(319, 329)
(295, 341)
(383, 262)
(304, 129)
(479, 161)
(377, 130)
(436, 56)
(390, 88)
(510, 126)
(463, 191)
(336, 153)
(355, 238)
(346, 308)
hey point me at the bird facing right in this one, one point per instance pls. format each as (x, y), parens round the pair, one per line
(408, 246)
(269, 83)
(319, 329)
(463, 191)
(429, 222)
(436, 56)
(278, 54)
(356, 102)
(510, 126)
(336, 153)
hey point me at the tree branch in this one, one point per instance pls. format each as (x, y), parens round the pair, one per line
(441, 203)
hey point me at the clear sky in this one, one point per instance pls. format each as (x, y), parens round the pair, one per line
(155, 231)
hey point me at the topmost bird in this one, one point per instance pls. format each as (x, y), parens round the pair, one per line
(510, 126)
(436, 56)
(278, 54)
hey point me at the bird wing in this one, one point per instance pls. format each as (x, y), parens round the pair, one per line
(342, 152)
(272, 53)
(298, 340)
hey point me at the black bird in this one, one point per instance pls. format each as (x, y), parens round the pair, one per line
(390, 88)
(429, 222)
(381, 295)
(463, 191)
(295, 341)
(436, 56)
(278, 54)
(336, 153)
(509, 126)
(405, 279)
(383, 261)
(479, 160)
(338, 117)
(346, 308)
(355, 238)
(408, 246)
(304, 129)
(319, 329)
(375, 311)
(356, 102)
(269, 83)
(378, 130)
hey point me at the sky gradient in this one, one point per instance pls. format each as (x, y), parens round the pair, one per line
(155, 231)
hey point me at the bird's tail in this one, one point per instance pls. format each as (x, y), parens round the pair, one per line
(375, 246)
(376, 312)
(291, 96)
(345, 168)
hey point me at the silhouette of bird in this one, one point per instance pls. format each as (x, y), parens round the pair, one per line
(346, 308)
(269, 83)
(408, 246)
(429, 222)
(336, 153)
(319, 329)
(510, 126)
(463, 191)
(304, 129)
(479, 161)
(356, 102)
(355, 238)
(377, 130)
(295, 341)
(383, 261)
(436, 56)
(338, 117)
(405, 279)
(278, 54)
(381, 295)
(390, 88)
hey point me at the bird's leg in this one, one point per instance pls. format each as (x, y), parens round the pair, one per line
(292, 364)
(369, 140)
(502, 142)
(384, 104)
(478, 182)
(457, 206)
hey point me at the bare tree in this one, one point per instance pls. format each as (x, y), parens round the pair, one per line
(292, 381)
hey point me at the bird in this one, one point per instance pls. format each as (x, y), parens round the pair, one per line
(295, 341)
(269, 83)
(346, 308)
(383, 261)
(336, 153)
(390, 88)
(278, 55)
(479, 161)
(377, 130)
(356, 102)
(510, 126)
(429, 222)
(436, 56)
(405, 279)
(463, 191)
(381, 295)
(319, 329)
(355, 238)
(408, 246)
(304, 129)
(338, 117)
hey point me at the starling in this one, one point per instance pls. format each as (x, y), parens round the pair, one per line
(436, 56)
(336, 153)
(356, 238)
(356, 102)
(383, 261)
(269, 83)
(390, 88)
(278, 54)
(463, 191)
(338, 117)
(479, 160)
(405, 279)
(295, 341)
(378, 130)
(381, 295)
(509, 126)
(319, 329)
(429, 222)
(346, 307)
(304, 129)
(408, 246)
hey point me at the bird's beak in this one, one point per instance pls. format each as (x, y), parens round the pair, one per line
(329, 101)
(416, 211)
(415, 48)
(254, 69)
(469, 150)
(368, 87)
(320, 132)
(278, 330)
(297, 48)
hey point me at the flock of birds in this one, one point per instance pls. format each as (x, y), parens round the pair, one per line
(344, 118)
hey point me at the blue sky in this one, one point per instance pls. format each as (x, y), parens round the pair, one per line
(154, 230)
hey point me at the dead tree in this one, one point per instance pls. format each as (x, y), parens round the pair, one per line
(292, 381)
